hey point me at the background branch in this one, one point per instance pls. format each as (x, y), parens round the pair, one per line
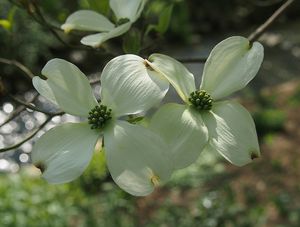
(254, 35)
(36, 14)
(32, 107)
(262, 28)
(18, 65)
(27, 138)
(22, 106)
(14, 114)
(192, 60)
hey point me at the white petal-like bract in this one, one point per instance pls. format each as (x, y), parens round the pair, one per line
(64, 152)
(231, 65)
(95, 40)
(183, 130)
(127, 9)
(177, 74)
(232, 132)
(129, 87)
(43, 88)
(69, 86)
(136, 158)
(87, 20)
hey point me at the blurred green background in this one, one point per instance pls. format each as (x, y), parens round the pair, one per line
(210, 192)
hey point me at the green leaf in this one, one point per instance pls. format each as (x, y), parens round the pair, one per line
(163, 22)
(132, 42)
(5, 24)
(164, 19)
(8, 23)
(99, 6)
(150, 27)
(11, 14)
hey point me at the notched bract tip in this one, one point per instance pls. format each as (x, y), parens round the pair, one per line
(148, 66)
(43, 77)
(41, 166)
(254, 155)
(250, 44)
(155, 180)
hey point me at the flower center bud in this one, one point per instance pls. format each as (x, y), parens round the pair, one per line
(201, 100)
(98, 116)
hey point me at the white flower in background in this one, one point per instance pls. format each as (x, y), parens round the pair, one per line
(226, 125)
(135, 156)
(126, 12)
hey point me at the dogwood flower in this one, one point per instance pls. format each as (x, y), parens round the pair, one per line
(226, 125)
(126, 12)
(135, 156)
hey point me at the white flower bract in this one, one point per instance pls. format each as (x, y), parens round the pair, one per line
(231, 130)
(88, 20)
(139, 158)
(134, 154)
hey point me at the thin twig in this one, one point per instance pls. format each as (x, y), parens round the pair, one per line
(43, 22)
(192, 60)
(15, 113)
(18, 65)
(262, 28)
(24, 105)
(53, 29)
(254, 35)
(27, 138)
(37, 15)
(32, 107)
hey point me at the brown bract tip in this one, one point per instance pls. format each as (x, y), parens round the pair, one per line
(254, 156)
(155, 180)
(41, 167)
(148, 66)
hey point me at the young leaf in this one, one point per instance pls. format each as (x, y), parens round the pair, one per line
(132, 42)
(164, 19)
(100, 6)
(8, 23)
(5, 24)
